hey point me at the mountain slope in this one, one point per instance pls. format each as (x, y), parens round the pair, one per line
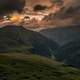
(69, 53)
(69, 40)
(17, 39)
(32, 67)
(62, 35)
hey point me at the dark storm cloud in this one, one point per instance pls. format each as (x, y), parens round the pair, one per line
(72, 3)
(39, 7)
(11, 5)
(72, 6)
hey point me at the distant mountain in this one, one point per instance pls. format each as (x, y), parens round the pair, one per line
(31, 67)
(62, 35)
(17, 39)
(69, 53)
(69, 41)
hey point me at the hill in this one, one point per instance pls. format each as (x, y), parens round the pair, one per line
(17, 39)
(31, 67)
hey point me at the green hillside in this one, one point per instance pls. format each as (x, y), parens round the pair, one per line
(32, 67)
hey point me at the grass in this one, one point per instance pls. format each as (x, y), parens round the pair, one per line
(32, 67)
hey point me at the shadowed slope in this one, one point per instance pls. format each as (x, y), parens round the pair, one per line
(18, 39)
(69, 40)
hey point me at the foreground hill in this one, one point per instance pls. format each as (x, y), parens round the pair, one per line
(31, 67)
(17, 39)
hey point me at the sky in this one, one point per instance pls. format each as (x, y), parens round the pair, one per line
(32, 3)
(69, 3)
(11, 5)
(18, 5)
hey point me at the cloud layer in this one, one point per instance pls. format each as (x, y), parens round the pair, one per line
(11, 5)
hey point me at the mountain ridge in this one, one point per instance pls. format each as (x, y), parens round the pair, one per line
(16, 38)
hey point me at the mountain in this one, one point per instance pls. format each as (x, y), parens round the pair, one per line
(62, 35)
(69, 53)
(17, 39)
(32, 67)
(69, 44)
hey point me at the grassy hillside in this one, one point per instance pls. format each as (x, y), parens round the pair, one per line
(17, 39)
(31, 67)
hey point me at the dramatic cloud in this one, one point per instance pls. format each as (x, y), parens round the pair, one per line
(11, 5)
(39, 7)
(68, 15)
(72, 6)
(73, 3)
(31, 3)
